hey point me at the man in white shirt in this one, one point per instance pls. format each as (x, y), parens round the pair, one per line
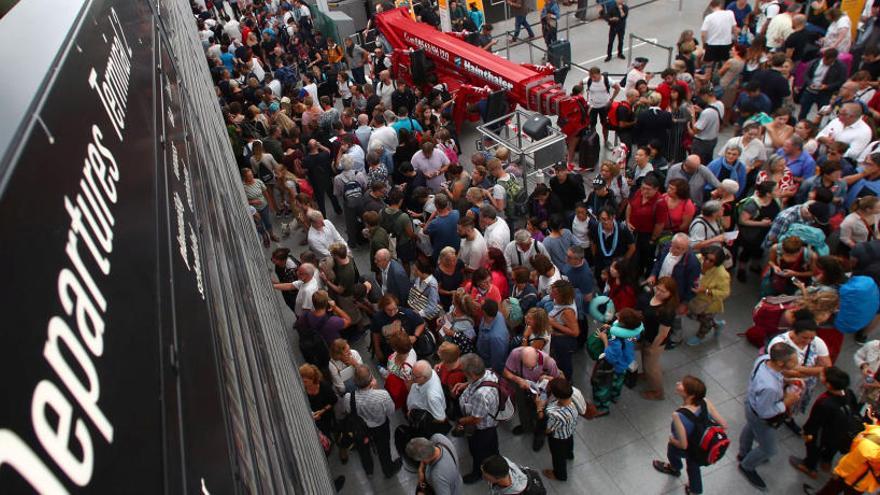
(717, 32)
(637, 73)
(311, 87)
(232, 28)
(497, 194)
(382, 134)
(307, 285)
(385, 87)
(520, 250)
(495, 230)
(426, 393)
(600, 92)
(473, 251)
(848, 128)
(780, 27)
(767, 11)
(322, 234)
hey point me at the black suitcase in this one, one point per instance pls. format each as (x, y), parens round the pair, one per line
(588, 149)
(559, 53)
(537, 127)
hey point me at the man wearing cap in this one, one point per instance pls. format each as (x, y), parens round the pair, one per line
(813, 213)
(600, 197)
(698, 177)
(636, 73)
(569, 188)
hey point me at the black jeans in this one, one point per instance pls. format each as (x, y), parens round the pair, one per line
(817, 453)
(380, 438)
(616, 30)
(562, 350)
(322, 190)
(560, 450)
(644, 251)
(482, 444)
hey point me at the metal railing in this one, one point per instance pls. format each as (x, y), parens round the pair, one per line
(632, 37)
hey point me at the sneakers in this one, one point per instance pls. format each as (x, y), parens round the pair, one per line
(608, 58)
(694, 341)
(753, 477)
(719, 326)
(798, 464)
(666, 468)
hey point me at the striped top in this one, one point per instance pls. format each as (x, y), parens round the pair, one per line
(561, 420)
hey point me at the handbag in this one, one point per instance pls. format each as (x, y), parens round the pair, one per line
(397, 389)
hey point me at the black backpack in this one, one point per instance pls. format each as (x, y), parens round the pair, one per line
(352, 194)
(852, 421)
(353, 428)
(535, 485)
(311, 344)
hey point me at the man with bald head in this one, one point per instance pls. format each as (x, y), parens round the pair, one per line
(696, 174)
(426, 394)
(847, 128)
(525, 368)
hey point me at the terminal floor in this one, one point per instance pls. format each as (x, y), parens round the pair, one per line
(613, 454)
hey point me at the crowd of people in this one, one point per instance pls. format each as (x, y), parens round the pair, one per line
(479, 292)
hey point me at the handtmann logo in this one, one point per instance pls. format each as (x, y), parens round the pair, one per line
(486, 75)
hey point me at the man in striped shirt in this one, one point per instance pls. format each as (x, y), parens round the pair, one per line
(479, 402)
(375, 407)
(561, 415)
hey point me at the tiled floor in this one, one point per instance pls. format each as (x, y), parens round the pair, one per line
(613, 454)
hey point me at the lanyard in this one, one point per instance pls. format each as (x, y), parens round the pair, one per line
(605, 252)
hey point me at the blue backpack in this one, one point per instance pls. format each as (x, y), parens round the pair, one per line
(859, 301)
(811, 236)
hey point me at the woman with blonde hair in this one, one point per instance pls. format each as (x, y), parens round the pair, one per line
(610, 172)
(537, 332)
(343, 361)
(777, 171)
(459, 324)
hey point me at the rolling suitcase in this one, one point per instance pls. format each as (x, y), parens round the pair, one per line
(588, 149)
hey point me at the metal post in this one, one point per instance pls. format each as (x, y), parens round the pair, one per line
(668, 56)
(531, 55)
(679, 4)
(567, 26)
(629, 54)
(507, 44)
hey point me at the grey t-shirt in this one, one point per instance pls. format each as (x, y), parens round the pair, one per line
(443, 475)
(709, 121)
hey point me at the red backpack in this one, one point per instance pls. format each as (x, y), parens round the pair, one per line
(613, 121)
(766, 316)
(708, 441)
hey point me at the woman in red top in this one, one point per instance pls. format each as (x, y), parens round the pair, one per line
(680, 208)
(777, 171)
(622, 283)
(480, 288)
(450, 373)
(646, 216)
(498, 269)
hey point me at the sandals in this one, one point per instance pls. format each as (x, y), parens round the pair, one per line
(666, 468)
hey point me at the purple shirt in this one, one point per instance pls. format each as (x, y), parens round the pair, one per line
(546, 366)
(327, 326)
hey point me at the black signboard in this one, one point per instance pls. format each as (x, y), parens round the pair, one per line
(110, 381)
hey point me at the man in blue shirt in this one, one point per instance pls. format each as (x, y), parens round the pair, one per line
(493, 339)
(800, 162)
(581, 277)
(741, 9)
(767, 403)
(442, 227)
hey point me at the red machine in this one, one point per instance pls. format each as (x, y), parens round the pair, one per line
(469, 72)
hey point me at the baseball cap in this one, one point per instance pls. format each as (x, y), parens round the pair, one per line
(820, 212)
(641, 61)
(598, 182)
